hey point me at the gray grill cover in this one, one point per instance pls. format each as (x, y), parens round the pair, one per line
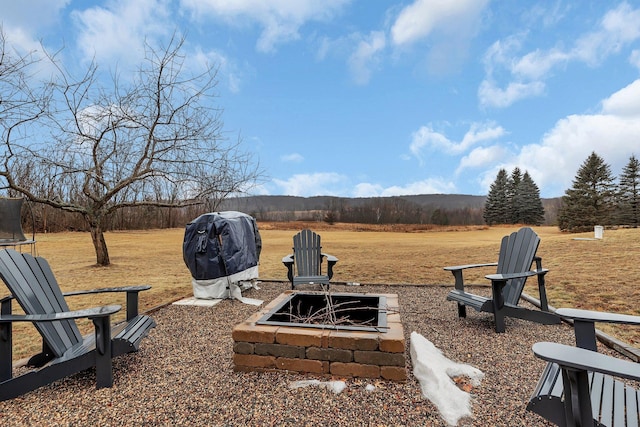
(220, 244)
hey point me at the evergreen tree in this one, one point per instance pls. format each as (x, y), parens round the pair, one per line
(629, 194)
(530, 209)
(497, 206)
(590, 201)
(439, 217)
(515, 197)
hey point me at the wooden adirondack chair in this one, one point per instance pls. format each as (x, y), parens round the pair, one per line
(517, 254)
(64, 350)
(304, 265)
(581, 387)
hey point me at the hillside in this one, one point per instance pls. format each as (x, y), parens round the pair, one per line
(460, 208)
(295, 203)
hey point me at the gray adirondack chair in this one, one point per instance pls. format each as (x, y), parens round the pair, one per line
(517, 254)
(64, 350)
(581, 387)
(304, 265)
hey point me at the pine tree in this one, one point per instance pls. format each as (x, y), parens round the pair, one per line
(515, 197)
(629, 194)
(497, 206)
(439, 217)
(590, 201)
(531, 210)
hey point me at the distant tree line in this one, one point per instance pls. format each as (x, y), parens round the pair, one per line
(44, 219)
(513, 199)
(596, 199)
(382, 210)
(396, 210)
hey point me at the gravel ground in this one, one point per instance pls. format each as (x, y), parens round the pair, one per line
(183, 374)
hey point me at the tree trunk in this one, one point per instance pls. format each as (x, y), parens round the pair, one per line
(100, 245)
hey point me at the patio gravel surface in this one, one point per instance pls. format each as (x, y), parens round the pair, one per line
(183, 374)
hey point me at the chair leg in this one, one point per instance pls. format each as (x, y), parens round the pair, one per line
(498, 316)
(104, 362)
(577, 399)
(462, 310)
(6, 355)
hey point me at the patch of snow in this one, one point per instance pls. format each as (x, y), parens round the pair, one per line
(434, 371)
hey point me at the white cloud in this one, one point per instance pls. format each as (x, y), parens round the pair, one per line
(23, 22)
(500, 54)
(618, 28)
(117, 33)
(293, 157)
(366, 56)
(427, 138)
(625, 102)
(334, 184)
(120, 30)
(321, 183)
(421, 18)
(537, 64)
(280, 20)
(427, 186)
(32, 15)
(21, 40)
(444, 27)
(612, 134)
(483, 156)
(489, 95)
(366, 189)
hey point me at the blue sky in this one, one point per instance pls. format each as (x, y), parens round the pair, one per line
(360, 98)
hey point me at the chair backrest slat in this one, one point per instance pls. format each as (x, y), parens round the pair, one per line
(32, 283)
(517, 252)
(307, 253)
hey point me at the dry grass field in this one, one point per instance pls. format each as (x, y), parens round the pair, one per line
(596, 274)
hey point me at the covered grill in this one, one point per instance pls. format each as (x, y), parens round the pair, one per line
(222, 252)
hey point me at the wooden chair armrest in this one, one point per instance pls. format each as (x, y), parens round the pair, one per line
(458, 275)
(575, 358)
(287, 259)
(331, 261)
(103, 290)
(288, 262)
(87, 313)
(464, 267)
(505, 277)
(330, 258)
(584, 324)
(6, 299)
(597, 316)
(131, 291)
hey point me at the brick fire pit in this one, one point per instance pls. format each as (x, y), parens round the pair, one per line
(264, 343)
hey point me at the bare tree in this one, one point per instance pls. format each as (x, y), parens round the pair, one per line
(156, 140)
(21, 104)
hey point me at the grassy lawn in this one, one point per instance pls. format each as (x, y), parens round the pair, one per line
(595, 274)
